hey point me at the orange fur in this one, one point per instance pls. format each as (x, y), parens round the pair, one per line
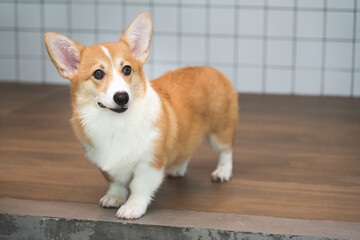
(197, 101)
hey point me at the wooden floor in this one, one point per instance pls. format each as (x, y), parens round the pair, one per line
(295, 157)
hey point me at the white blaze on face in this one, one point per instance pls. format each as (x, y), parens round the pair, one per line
(117, 84)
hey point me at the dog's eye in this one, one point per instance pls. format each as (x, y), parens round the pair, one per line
(99, 74)
(126, 70)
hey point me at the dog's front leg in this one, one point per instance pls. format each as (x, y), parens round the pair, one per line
(145, 182)
(117, 192)
(115, 196)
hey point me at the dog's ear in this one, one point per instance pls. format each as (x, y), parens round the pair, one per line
(64, 53)
(138, 36)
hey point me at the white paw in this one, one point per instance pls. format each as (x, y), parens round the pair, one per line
(131, 211)
(221, 174)
(110, 200)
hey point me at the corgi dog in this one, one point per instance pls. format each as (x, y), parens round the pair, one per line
(136, 131)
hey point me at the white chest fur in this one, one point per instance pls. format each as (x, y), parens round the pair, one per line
(122, 140)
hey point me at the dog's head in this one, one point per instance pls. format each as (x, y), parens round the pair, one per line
(109, 75)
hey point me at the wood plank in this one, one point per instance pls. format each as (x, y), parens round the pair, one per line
(295, 157)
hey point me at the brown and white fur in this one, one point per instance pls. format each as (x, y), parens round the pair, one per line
(161, 125)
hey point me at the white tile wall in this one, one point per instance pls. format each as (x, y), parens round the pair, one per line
(251, 41)
(193, 49)
(86, 39)
(280, 23)
(28, 15)
(337, 83)
(192, 2)
(250, 51)
(193, 20)
(278, 81)
(222, 50)
(341, 4)
(7, 45)
(222, 20)
(281, 3)
(7, 15)
(55, 16)
(357, 55)
(7, 69)
(30, 70)
(162, 1)
(82, 16)
(310, 3)
(249, 80)
(279, 52)
(259, 3)
(339, 54)
(310, 24)
(356, 91)
(165, 48)
(222, 2)
(357, 17)
(307, 82)
(309, 54)
(111, 17)
(168, 13)
(340, 25)
(110, 37)
(251, 21)
(30, 43)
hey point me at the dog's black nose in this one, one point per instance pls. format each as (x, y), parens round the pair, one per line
(121, 98)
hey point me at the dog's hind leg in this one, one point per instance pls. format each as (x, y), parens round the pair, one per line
(180, 171)
(223, 172)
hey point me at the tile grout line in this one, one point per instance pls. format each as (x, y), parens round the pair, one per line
(244, 6)
(179, 36)
(123, 13)
(235, 79)
(352, 87)
(265, 43)
(195, 35)
(17, 42)
(69, 17)
(207, 33)
(96, 21)
(323, 57)
(294, 49)
(43, 56)
(123, 19)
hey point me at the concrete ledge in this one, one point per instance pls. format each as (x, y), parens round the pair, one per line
(29, 219)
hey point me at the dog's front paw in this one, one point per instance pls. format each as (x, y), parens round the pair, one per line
(110, 200)
(221, 174)
(131, 211)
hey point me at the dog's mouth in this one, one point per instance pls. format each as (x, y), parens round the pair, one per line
(119, 109)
